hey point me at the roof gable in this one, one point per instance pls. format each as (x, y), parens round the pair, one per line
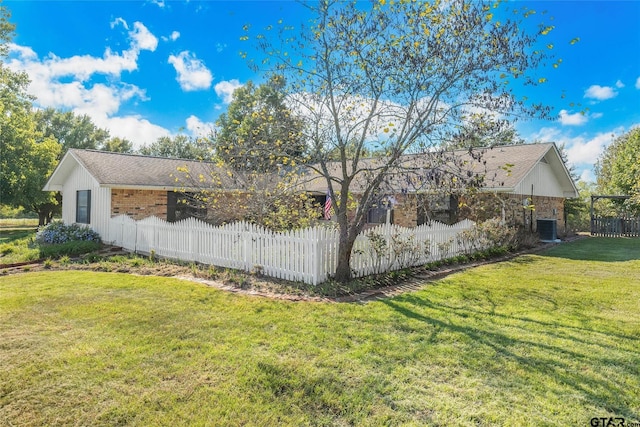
(504, 168)
(119, 170)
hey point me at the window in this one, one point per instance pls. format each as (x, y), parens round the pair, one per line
(379, 216)
(433, 207)
(83, 207)
(381, 210)
(184, 205)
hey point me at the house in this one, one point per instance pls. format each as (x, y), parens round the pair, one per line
(97, 185)
(522, 183)
(519, 183)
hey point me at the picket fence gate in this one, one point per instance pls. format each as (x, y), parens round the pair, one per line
(308, 255)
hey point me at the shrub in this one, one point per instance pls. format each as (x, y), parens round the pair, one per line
(67, 249)
(486, 235)
(58, 232)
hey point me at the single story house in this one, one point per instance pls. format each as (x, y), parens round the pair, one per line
(519, 183)
(98, 185)
(522, 183)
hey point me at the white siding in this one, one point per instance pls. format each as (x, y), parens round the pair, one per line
(80, 179)
(544, 182)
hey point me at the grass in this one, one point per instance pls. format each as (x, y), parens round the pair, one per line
(18, 222)
(549, 339)
(16, 245)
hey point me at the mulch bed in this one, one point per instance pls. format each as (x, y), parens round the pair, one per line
(264, 286)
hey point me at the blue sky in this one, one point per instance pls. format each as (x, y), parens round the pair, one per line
(144, 69)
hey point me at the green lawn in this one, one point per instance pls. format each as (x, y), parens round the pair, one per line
(551, 339)
(15, 246)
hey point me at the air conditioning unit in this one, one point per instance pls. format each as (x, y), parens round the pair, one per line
(548, 230)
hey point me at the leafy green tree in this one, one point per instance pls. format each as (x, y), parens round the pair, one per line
(179, 147)
(578, 210)
(481, 131)
(257, 147)
(618, 170)
(71, 130)
(26, 156)
(118, 145)
(258, 132)
(395, 78)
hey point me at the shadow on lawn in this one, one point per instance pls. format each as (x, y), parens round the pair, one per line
(546, 351)
(604, 249)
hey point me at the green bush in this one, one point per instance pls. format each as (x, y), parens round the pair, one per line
(58, 232)
(73, 248)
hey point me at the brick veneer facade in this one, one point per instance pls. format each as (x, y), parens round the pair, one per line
(484, 206)
(139, 204)
(516, 212)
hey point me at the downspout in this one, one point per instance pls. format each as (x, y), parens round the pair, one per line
(531, 211)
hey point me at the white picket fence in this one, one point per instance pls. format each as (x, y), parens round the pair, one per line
(308, 255)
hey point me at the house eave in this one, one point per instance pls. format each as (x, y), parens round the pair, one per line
(497, 190)
(115, 186)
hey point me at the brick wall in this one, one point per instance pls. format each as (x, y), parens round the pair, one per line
(405, 212)
(483, 206)
(139, 204)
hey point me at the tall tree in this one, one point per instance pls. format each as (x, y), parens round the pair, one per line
(396, 78)
(179, 147)
(618, 169)
(258, 132)
(479, 131)
(118, 145)
(71, 130)
(26, 156)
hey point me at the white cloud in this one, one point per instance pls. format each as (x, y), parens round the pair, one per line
(134, 128)
(225, 89)
(142, 37)
(160, 3)
(82, 67)
(638, 83)
(198, 128)
(119, 21)
(581, 150)
(619, 84)
(65, 83)
(192, 73)
(25, 53)
(575, 119)
(587, 175)
(175, 35)
(600, 92)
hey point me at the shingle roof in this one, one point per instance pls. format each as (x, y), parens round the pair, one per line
(507, 165)
(503, 167)
(118, 169)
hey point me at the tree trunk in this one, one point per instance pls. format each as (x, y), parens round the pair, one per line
(45, 213)
(42, 218)
(349, 231)
(343, 269)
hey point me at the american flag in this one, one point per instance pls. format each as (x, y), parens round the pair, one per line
(327, 207)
